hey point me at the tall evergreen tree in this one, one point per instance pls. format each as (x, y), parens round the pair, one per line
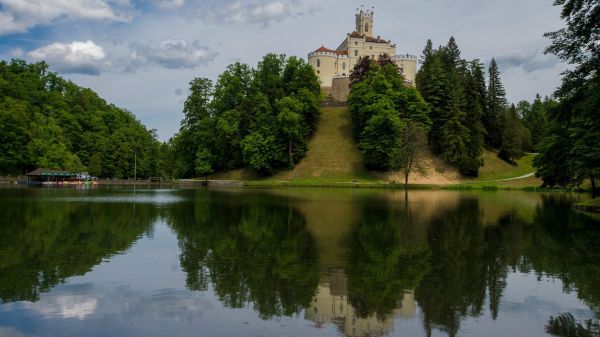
(496, 106)
(535, 121)
(439, 100)
(473, 119)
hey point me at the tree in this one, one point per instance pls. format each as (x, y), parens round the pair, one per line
(574, 125)
(438, 97)
(203, 163)
(514, 137)
(289, 119)
(260, 151)
(405, 156)
(535, 121)
(496, 105)
(474, 98)
(454, 136)
(380, 136)
(364, 68)
(50, 122)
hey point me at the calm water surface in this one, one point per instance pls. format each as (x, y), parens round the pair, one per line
(298, 262)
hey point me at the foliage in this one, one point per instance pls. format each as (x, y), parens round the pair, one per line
(48, 122)
(456, 92)
(382, 108)
(570, 154)
(259, 118)
(496, 105)
(515, 137)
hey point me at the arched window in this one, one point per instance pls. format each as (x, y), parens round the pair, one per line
(366, 27)
(318, 63)
(343, 65)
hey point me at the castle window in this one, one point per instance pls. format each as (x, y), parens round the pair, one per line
(371, 47)
(356, 52)
(366, 27)
(318, 63)
(356, 43)
(401, 70)
(343, 65)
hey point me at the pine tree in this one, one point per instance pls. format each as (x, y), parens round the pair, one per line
(424, 72)
(496, 105)
(439, 101)
(451, 54)
(473, 120)
(514, 137)
(454, 135)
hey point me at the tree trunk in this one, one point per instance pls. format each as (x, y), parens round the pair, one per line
(407, 170)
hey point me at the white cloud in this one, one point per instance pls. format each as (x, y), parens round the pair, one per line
(76, 57)
(65, 306)
(241, 12)
(18, 16)
(170, 53)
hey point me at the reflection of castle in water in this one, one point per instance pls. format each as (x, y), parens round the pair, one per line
(331, 305)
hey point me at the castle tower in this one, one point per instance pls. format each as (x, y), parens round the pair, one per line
(364, 22)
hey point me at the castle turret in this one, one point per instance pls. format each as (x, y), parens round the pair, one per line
(364, 22)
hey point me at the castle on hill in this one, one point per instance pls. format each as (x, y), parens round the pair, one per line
(334, 66)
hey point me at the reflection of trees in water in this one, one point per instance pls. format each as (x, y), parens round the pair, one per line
(44, 242)
(252, 251)
(383, 263)
(455, 286)
(470, 261)
(565, 325)
(566, 245)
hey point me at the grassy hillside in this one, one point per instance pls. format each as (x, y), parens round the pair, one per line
(333, 157)
(332, 153)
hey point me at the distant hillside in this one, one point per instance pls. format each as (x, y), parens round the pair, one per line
(49, 122)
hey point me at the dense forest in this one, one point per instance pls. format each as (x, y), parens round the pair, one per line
(257, 118)
(49, 122)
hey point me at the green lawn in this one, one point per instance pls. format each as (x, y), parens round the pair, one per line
(495, 168)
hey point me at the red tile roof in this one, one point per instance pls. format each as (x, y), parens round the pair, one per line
(338, 52)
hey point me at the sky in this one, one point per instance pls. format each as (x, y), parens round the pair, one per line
(141, 54)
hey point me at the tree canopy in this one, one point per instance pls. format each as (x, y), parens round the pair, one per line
(49, 122)
(570, 154)
(383, 111)
(256, 118)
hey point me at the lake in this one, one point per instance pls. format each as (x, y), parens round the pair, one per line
(293, 262)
